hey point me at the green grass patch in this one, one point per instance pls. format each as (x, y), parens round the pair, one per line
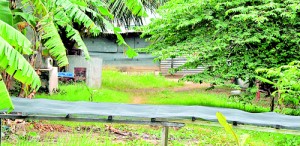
(201, 98)
(121, 81)
(192, 134)
(80, 92)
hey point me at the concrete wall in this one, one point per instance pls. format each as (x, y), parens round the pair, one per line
(53, 80)
(113, 55)
(93, 69)
(100, 44)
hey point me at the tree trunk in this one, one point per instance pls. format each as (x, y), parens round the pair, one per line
(7, 79)
(24, 88)
(272, 104)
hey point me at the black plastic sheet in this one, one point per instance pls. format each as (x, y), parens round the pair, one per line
(167, 112)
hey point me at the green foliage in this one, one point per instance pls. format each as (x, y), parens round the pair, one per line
(288, 141)
(5, 12)
(15, 38)
(5, 99)
(17, 66)
(136, 7)
(228, 128)
(130, 12)
(54, 43)
(74, 34)
(229, 38)
(76, 18)
(12, 45)
(75, 13)
(286, 79)
(29, 18)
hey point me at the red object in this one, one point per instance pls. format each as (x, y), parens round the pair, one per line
(257, 95)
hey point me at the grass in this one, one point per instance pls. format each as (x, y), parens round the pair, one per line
(121, 87)
(116, 80)
(153, 89)
(191, 134)
(80, 92)
(200, 98)
(115, 88)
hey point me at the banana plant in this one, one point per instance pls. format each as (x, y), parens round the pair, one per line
(13, 45)
(91, 18)
(12, 49)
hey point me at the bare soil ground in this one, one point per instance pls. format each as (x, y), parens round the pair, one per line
(139, 94)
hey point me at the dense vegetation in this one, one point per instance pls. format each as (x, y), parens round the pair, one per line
(230, 38)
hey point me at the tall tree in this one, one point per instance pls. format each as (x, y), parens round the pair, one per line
(230, 38)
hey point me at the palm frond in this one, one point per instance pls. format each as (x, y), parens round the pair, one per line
(17, 66)
(15, 38)
(123, 10)
(53, 41)
(136, 7)
(73, 11)
(102, 8)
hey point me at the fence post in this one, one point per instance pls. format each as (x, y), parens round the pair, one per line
(164, 135)
(0, 131)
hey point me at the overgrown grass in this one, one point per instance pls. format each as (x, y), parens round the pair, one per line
(120, 81)
(113, 89)
(80, 92)
(201, 98)
(191, 134)
(122, 88)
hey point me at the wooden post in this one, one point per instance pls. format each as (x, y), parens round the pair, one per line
(164, 136)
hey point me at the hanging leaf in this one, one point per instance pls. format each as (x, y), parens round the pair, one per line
(73, 12)
(5, 101)
(104, 11)
(74, 35)
(131, 53)
(53, 41)
(31, 19)
(136, 7)
(5, 12)
(63, 20)
(15, 38)
(17, 66)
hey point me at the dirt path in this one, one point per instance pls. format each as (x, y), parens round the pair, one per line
(140, 94)
(189, 86)
(138, 100)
